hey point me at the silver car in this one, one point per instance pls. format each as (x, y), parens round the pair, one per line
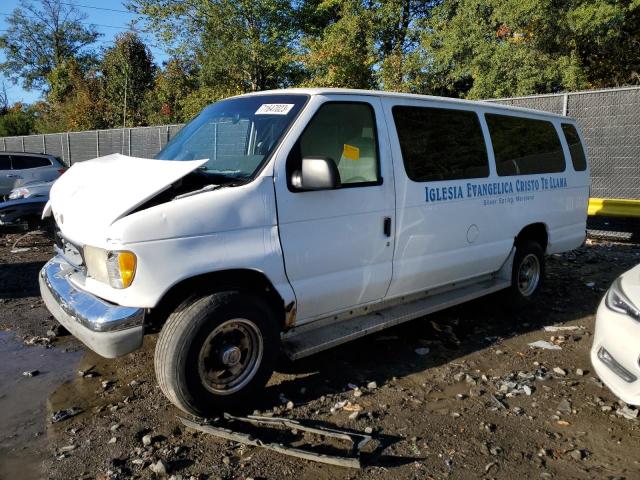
(17, 168)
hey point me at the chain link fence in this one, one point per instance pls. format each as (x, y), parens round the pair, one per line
(72, 147)
(610, 121)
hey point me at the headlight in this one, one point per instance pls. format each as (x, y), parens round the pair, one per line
(117, 268)
(618, 301)
(19, 193)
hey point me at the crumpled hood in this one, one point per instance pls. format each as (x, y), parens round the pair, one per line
(92, 195)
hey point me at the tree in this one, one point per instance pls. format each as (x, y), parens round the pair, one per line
(74, 100)
(174, 84)
(193, 103)
(4, 100)
(397, 25)
(240, 45)
(247, 45)
(18, 119)
(127, 71)
(606, 36)
(343, 54)
(39, 38)
(364, 44)
(498, 48)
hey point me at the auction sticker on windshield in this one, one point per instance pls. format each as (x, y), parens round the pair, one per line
(274, 108)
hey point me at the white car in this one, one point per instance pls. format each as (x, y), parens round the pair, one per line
(18, 168)
(300, 219)
(615, 353)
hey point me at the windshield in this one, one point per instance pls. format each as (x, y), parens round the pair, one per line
(235, 135)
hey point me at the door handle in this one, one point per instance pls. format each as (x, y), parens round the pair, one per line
(386, 226)
(11, 175)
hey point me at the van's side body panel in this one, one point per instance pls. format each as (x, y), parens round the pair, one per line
(557, 200)
(336, 254)
(448, 231)
(432, 235)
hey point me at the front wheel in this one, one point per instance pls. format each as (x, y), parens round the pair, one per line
(216, 351)
(527, 273)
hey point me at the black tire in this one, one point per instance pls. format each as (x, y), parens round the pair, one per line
(529, 255)
(201, 335)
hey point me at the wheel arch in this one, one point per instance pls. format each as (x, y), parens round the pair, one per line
(537, 232)
(245, 280)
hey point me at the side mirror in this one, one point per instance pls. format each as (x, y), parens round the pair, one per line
(317, 173)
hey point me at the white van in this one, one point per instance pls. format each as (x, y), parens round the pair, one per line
(295, 220)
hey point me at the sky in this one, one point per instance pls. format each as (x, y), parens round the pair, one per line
(99, 13)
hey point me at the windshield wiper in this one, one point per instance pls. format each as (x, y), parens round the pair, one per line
(206, 188)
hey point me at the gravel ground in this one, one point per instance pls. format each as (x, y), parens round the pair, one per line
(459, 394)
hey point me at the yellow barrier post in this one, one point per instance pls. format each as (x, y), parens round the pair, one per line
(614, 207)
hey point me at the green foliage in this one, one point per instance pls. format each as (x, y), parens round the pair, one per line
(16, 120)
(240, 45)
(397, 30)
(128, 72)
(173, 85)
(193, 103)
(74, 100)
(365, 44)
(502, 48)
(246, 45)
(219, 48)
(39, 38)
(342, 55)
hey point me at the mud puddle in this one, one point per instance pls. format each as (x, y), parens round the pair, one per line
(23, 411)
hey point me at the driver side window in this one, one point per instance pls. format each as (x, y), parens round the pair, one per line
(344, 132)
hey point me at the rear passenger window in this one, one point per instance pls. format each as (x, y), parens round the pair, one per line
(578, 157)
(524, 146)
(5, 162)
(440, 144)
(22, 162)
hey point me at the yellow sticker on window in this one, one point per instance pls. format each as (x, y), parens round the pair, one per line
(350, 152)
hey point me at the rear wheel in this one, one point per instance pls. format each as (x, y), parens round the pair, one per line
(216, 351)
(527, 272)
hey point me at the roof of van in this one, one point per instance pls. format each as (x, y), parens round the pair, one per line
(412, 96)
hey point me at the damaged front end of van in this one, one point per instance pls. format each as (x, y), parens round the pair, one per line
(129, 229)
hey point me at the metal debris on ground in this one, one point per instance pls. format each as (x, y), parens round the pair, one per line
(37, 340)
(61, 415)
(16, 249)
(544, 345)
(562, 328)
(352, 460)
(628, 412)
(517, 383)
(87, 372)
(498, 402)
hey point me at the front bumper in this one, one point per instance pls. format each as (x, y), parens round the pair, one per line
(618, 368)
(107, 329)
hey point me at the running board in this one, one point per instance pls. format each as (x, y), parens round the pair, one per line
(310, 339)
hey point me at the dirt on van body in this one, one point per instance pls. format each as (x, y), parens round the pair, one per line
(459, 394)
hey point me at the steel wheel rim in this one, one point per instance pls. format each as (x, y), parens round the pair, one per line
(230, 356)
(528, 274)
